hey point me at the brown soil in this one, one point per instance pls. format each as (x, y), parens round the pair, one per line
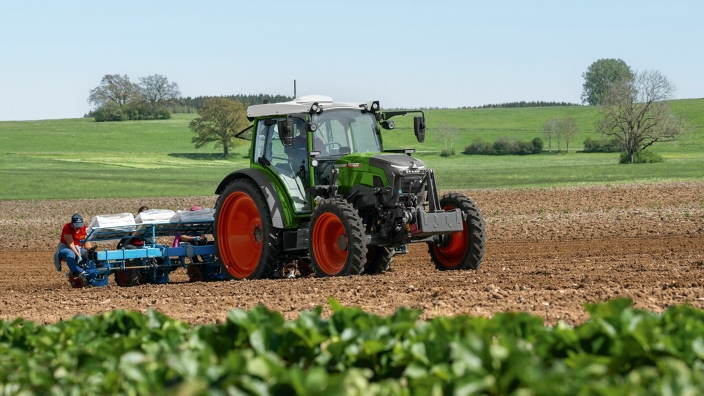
(550, 251)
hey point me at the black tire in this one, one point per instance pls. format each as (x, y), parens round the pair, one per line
(336, 239)
(242, 214)
(464, 250)
(378, 259)
(129, 277)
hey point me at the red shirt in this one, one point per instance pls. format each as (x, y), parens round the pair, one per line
(77, 235)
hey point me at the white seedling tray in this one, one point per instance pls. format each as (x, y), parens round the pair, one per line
(115, 222)
(196, 215)
(156, 216)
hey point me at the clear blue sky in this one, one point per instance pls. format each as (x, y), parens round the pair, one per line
(403, 53)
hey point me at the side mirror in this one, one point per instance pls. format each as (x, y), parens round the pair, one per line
(285, 131)
(419, 128)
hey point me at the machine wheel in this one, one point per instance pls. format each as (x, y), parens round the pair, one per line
(128, 277)
(194, 274)
(465, 249)
(77, 283)
(246, 241)
(336, 239)
(378, 259)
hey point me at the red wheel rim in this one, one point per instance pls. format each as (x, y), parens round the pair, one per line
(452, 254)
(240, 235)
(329, 244)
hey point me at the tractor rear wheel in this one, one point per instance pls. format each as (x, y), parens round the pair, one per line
(336, 239)
(465, 249)
(246, 241)
(378, 259)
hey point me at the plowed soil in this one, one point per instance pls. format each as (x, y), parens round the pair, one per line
(549, 252)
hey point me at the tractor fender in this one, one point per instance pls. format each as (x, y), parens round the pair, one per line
(272, 198)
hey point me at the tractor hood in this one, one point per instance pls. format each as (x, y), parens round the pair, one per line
(404, 173)
(395, 164)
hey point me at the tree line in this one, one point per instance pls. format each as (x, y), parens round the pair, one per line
(539, 103)
(246, 100)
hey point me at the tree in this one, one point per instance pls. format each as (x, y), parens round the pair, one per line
(636, 115)
(550, 130)
(220, 119)
(599, 77)
(157, 90)
(446, 135)
(116, 89)
(559, 128)
(567, 128)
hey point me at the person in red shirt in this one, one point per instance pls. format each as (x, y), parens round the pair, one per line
(71, 248)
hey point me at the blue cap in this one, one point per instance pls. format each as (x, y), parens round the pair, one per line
(77, 220)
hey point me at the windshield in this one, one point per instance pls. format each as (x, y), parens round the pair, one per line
(346, 131)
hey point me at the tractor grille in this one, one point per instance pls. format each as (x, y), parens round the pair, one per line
(412, 184)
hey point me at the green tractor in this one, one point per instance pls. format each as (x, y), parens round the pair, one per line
(322, 194)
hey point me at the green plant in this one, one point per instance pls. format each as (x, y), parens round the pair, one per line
(355, 352)
(641, 157)
(447, 152)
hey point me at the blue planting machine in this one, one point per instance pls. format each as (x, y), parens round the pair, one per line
(151, 263)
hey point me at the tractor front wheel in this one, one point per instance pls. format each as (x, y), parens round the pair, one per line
(246, 241)
(464, 249)
(336, 239)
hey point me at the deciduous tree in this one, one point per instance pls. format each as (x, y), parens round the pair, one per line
(550, 132)
(636, 113)
(220, 120)
(157, 90)
(567, 128)
(599, 77)
(447, 135)
(114, 88)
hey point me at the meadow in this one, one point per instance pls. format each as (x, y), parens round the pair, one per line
(80, 158)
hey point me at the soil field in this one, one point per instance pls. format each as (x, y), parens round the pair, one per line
(549, 252)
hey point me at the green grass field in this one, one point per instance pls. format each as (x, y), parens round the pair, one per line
(80, 158)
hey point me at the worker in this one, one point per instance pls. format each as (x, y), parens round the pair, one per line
(134, 243)
(71, 248)
(194, 273)
(194, 239)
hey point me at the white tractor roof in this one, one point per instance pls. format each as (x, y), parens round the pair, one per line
(299, 105)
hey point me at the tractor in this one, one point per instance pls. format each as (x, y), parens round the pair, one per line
(323, 195)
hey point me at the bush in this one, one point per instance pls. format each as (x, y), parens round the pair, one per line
(447, 152)
(524, 148)
(109, 112)
(641, 157)
(480, 147)
(505, 146)
(131, 111)
(592, 145)
(602, 146)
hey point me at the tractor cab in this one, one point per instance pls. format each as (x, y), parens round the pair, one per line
(314, 136)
